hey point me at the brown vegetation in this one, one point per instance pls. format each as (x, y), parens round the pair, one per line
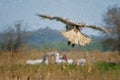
(13, 67)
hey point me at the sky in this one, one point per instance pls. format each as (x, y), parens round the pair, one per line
(82, 11)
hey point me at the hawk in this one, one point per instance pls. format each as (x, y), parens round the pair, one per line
(76, 37)
(73, 33)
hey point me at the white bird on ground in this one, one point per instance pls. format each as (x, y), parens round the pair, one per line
(63, 59)
(57, 58)
(38, 61)
(69, 61)
(81, 62)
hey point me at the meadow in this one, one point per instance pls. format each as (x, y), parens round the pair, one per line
(99, 66)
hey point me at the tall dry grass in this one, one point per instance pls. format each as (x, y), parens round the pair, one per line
(98, 67)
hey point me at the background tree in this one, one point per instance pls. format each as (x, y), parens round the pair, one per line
(13, 38)
(112, 19)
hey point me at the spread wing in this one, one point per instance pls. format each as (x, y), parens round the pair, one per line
(70, 24)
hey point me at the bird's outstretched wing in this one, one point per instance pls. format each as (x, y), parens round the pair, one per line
(72, 24)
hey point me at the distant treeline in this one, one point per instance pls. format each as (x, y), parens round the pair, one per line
(42, 39)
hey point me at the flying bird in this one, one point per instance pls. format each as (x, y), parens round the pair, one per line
(73, 30)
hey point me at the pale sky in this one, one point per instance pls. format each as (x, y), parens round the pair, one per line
(84, 11)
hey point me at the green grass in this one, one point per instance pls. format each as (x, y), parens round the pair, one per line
(103, 66)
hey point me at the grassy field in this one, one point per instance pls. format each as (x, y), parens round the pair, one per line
(99, 66)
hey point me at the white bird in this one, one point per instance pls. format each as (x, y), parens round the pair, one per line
(81, 62)
(70, 61)
(38, 61)
(63, 59)
(57, 58)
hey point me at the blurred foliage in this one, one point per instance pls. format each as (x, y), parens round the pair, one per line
(112, 20)
(12, 38)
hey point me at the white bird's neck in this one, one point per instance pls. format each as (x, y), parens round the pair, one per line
(57, 57)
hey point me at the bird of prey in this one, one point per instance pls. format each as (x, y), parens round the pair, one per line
(73, 30)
